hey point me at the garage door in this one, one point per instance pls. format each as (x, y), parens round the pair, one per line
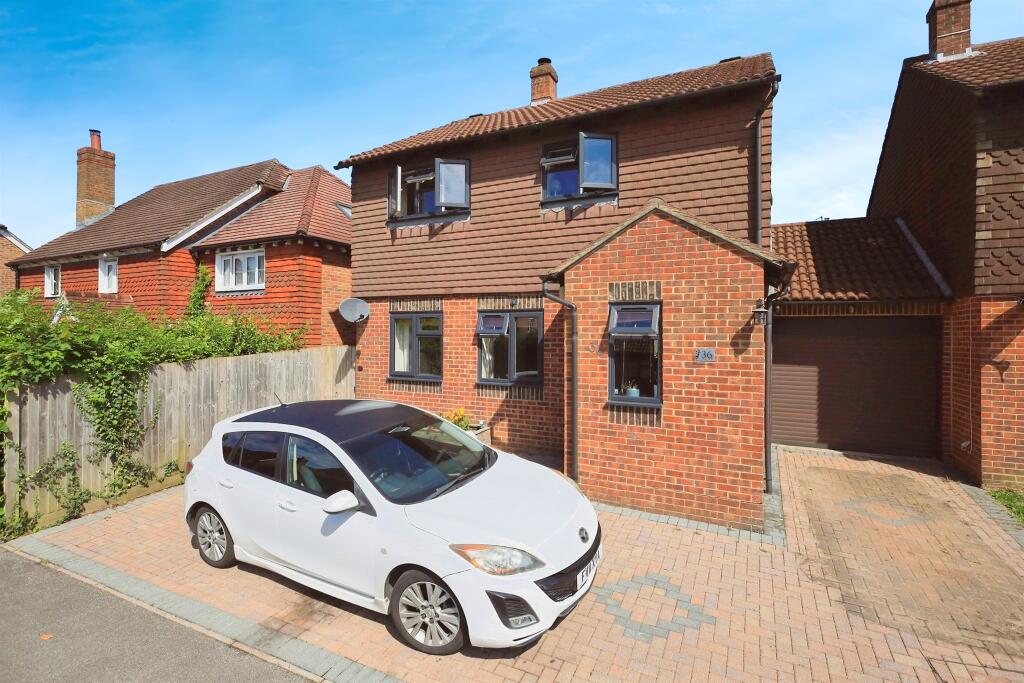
(860, 384)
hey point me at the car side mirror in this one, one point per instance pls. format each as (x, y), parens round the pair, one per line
(342, 501)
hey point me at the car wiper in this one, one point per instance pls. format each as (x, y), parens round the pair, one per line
(447, 486)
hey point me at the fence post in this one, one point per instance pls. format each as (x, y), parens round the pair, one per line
(10, 472)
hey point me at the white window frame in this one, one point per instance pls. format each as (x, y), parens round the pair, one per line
(225, 264)
(105, 286)
(51, 277)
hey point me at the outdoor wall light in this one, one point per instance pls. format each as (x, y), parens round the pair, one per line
(760, 314)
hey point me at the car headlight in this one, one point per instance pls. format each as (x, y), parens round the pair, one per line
(569, 479)
(497, 559)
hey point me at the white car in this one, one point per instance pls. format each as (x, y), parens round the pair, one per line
(394, 509)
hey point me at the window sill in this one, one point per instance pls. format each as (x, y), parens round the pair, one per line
(507, 383)
(624, 401)
(582, 201)
(241, 292)
(428, 219)
(413, 378)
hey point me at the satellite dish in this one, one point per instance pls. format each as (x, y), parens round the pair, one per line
(354, 310)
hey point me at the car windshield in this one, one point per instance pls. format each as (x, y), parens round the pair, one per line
(418, 459)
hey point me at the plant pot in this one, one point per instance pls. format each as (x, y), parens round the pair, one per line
(482, 434)
(633, 392)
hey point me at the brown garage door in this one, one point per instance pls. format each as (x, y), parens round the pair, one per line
(860, 384)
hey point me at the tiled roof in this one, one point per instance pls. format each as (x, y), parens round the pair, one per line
(731, 72)
(853, 259)
(307, 206)
(994, 64)
(6, 233)
(161, 212)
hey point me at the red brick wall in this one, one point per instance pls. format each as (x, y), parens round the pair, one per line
(519, 424)
(983, 379)
(336, 285)
(694, 155)
(8, 252)
(949, 28)
(706, 458)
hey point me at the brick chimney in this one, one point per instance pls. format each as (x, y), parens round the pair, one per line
(95, 182)
(543, 82)
(949, 28)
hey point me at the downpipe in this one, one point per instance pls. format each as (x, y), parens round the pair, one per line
(573, 420)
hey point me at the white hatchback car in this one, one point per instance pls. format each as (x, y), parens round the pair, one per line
(392, 508)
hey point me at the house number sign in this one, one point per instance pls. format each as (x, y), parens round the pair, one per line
(705, 355)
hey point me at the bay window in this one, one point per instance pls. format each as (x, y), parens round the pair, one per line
(416, 346)
(574, 168)
(240, 271)
(108, 276)
(510, 349)
(429, 191)
(634, 348)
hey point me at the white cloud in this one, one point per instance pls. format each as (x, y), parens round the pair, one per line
(827, 174)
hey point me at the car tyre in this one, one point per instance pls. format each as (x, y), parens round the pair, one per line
(426, 614)
(216, 546)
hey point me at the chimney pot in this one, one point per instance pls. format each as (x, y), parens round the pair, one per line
(949, 28)
(95, 182)
(543, 82)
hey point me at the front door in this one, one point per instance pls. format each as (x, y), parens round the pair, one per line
(341, 548)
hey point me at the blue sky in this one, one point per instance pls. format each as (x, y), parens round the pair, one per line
(183, 88)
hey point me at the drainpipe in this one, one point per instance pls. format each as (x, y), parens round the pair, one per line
(772, 92)
(571, 307)
(787, 276)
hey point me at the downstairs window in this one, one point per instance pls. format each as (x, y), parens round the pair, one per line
(510, 349)
(634, 349)
(416, 346)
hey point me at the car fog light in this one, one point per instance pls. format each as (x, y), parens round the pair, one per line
(520, 622)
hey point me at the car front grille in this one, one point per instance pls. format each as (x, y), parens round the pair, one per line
(562, 586)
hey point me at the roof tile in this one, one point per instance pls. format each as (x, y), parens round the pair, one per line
(993, 64)
(734, 71)
(853, 259)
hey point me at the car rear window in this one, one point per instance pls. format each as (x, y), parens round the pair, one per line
(230, 446)
(259, 452)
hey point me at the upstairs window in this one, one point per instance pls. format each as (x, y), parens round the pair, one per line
(108, 276)
(574, 168)
(416, 346)
(51, 281)
(240, 271)
(432, 191)
(510, 348)
(634, 348)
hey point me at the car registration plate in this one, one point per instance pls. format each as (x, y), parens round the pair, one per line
(588, 571)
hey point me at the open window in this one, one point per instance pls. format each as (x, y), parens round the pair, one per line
(510, 347)
(108, 276)
(416, 346)
(429, 191)
(51, 281)
(634, 349)
(584, 166)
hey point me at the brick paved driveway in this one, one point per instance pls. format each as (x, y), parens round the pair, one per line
(888, 571)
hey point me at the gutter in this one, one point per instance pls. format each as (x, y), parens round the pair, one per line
(574, 420)
(758, 172)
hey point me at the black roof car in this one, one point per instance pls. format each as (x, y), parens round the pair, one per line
(339, 420)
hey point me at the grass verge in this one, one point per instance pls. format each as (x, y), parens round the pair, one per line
(1012, 501)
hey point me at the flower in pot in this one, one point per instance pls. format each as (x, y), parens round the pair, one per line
(631, 387)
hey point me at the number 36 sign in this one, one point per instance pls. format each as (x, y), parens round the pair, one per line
(705, 355)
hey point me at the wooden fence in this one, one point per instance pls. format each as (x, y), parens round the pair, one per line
(190, 398)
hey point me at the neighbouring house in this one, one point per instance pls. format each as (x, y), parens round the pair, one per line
(904, 331)
(276, 241)
(11, 247)
(617, 231)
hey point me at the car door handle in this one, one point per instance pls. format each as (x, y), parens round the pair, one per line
(287, 506)
(226, 483)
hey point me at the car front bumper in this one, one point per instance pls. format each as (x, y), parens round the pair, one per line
(486, 628)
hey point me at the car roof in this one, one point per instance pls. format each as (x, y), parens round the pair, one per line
(338, 420)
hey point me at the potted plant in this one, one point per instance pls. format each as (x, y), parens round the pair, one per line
(460, 418)
(631, 387)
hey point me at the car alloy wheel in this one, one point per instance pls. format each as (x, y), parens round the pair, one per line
(429, 614)
(212, 536)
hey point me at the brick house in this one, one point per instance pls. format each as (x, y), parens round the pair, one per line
(276, 240)
(921, 303)
(11, 247)
(629, 215)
